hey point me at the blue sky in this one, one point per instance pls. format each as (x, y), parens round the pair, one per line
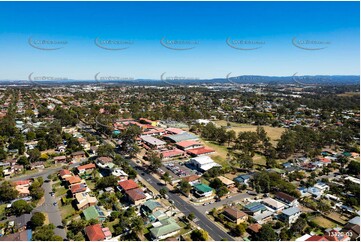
(206, 25)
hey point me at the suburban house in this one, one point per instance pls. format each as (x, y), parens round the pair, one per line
(243, 179)
(234, 215)
(253, 229)
(290, 215)
(254, 208)
(136, 196)
(97, 233)
(263, 217)
(104, 162)
(192, 179)
(203, 163)
(353, 230)
(122, 176)
(60, 159)
(127, 185)
(150, 206)
(72, 180)
(273, 204)
(227, 182)
(94, 212)
(203, 190)
(24, 235)
(88, 168)
(78, 156)
(22, 187)
(78, 188)
(84, 200)
(164, 228)
(288, 199)
(64, 174)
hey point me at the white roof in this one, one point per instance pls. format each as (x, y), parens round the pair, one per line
(152, 140)
(273, 203)
(202, 160)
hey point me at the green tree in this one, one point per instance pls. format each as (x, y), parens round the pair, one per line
(199, 235)
(37, 220)
(20, 207)
(7, 192)
(266, 233)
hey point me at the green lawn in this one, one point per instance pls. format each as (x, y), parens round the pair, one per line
(2, 209)
(323, 222)
(66, 211)
(111, 224)
(60, 191)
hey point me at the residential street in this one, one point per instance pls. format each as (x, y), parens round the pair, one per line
(52, 210)
(202, 221)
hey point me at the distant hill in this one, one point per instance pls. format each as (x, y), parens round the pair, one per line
(245, 79)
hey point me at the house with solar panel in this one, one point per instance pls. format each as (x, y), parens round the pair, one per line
(254, 208)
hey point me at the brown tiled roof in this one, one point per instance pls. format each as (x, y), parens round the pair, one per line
(285, 196)
(255, 227)
(191, 178)
(234, 213)
(136, 194)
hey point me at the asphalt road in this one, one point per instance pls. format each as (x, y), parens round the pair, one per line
(48, 206)
(203, 222)
(52, 210)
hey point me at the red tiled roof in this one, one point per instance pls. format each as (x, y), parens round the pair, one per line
(171, 153)
(187, 143)
(200, 151)
(77, 188)
(23, 182)
(128, 185)
(87, 166)
(94, 232)
(73, 179)
(317, 238)
(64, 172)
(135, 194)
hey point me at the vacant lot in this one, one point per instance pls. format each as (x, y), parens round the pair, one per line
(323, 222)
(273, 132)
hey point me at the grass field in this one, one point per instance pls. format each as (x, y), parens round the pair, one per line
(66, 211)
(348, 94)
(273, 132)
(323, 222)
